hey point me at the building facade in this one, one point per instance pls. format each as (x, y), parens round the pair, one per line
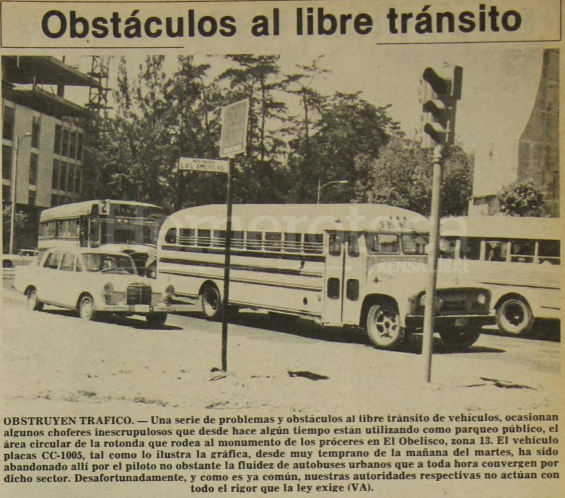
(530, 153)
(44, 132)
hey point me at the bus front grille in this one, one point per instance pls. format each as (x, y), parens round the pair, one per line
(138, 294)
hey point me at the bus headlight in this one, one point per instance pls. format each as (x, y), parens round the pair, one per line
(482, 298)
(107, 292)
(169, 294)
(423, 300)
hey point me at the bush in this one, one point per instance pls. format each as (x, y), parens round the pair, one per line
(521, 199)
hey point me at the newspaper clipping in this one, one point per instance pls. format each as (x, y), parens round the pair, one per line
(281, 248)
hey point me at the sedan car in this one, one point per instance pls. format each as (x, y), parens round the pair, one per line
(93, 282)
(21, 258)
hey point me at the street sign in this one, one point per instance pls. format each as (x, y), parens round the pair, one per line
(198, 164)
(234, 129)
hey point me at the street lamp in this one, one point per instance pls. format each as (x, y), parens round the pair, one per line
(335, 182)
(14, 185)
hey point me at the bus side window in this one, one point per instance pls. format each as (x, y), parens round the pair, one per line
(237, 240)
(549, 252)
(314, 243)
(522, 251)
(496, 250)
(187, 236)
(171, 236)
(335, 243)
(219, 238)
(292, 242)
(353, 245)
(447, 248)
(254, 241)
(470, 248)
(204, 237)
(273, 241)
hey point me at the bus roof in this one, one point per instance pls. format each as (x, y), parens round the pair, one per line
(303, 218)
(84, 208)
(500, 226)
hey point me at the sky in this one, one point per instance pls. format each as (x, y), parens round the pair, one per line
(500, 83)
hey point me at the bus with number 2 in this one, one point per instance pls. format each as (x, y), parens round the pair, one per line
(131, 227)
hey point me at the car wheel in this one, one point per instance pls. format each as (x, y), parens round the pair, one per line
(86, 308)
(6, 263)
(156, 319)
(514, 317)
(383, 326)
(33, 302)
(211, 302)
(460, 340)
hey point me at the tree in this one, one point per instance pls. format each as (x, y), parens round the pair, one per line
(349, 127)
(22, 223)
(402, 176)
(521, 199)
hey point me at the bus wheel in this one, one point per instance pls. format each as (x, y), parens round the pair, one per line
(86, 308)
(33, 302)
(460, 340)
(514, 317)
(211, 302)
(156, 319)
(383, 326)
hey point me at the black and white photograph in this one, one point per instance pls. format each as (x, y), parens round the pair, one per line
(331, 266)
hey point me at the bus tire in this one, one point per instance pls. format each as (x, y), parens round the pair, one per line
(156, 320)
(211, 302)
(86, 308)
(460, 340)
(33, 302)
(383, 326)
(514, 317)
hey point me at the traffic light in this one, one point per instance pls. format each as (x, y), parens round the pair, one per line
(441, 89)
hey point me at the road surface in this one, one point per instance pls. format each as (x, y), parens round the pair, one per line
(54, 357)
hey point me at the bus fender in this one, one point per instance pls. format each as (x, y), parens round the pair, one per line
(371, 299)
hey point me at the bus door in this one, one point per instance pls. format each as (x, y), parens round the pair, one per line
(343, 278)
(333, 278)
(83, 231)
(353, 277)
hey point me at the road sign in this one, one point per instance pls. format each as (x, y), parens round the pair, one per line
(197, 164)
(234, 129)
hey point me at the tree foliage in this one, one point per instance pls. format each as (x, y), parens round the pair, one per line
(402, 176)
(297, 139)
(521, 199)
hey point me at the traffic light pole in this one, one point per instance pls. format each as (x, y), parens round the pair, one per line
(433, 252)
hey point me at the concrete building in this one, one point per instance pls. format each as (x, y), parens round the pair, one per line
(528, 150)
(47, 127)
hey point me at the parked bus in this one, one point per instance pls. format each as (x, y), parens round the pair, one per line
(132, 227)
(517, 258)
(340, 265)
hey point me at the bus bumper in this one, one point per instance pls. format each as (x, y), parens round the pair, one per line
(451, 321)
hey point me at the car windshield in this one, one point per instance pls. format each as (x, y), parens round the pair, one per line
(108, 263)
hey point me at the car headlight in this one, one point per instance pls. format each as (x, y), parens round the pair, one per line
(169, 294)
(107, 292)
(482, 298)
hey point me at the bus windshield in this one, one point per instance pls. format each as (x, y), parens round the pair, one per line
(123, 231)
(108, 263)
(414, 243)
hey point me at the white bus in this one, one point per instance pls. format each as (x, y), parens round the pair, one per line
(349, 264)
(516, 258)
(131, 227)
